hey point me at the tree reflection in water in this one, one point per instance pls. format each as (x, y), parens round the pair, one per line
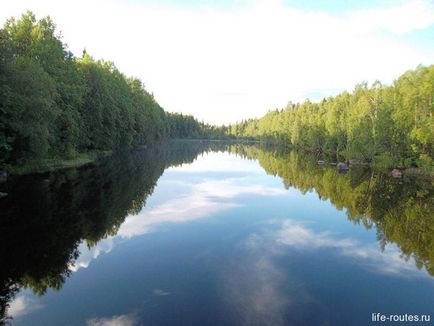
(46, 216)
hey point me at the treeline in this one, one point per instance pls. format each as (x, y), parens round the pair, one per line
(389, 125)
(53, 104)
(186, 126)
(56, 105)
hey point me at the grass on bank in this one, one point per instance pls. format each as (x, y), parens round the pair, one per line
(47, 165)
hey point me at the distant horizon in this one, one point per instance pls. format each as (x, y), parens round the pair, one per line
(240, 59)
(283, 107)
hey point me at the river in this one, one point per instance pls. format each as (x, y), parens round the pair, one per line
(198, 233)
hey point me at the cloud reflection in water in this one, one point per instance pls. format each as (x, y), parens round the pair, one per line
(89, 254)
(23, 305)
(203, 199)
(197, 199)
(260, 291)
(294, 235)
(120, 320)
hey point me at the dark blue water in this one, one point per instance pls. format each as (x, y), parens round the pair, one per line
(228, 240)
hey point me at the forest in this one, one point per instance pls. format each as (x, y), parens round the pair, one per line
(58, 109)
(53, 104)
(390, 126)
(56, 105)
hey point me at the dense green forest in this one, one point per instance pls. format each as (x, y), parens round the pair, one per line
(387, 125)
(56, 105)
(53, 104)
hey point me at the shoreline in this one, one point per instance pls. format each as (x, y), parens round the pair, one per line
(54, 164)
(82, 159)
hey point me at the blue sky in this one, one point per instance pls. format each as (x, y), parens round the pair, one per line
(338, 6)
(330, 6)
(223, 61)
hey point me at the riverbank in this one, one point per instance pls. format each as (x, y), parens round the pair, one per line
(81, 159)
(379, 162)
(47, 165)
(52, 164)
(217, 140)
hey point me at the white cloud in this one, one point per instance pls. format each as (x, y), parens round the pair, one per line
(200, 201)
(226, 64)
(89, 254)
(23, 305)
(296, 235)
(121, 320)
(161, 292)
(408, 17)
(195, 199)
(253, 291)
(260, 291)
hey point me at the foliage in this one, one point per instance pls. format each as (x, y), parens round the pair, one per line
(54, 105)
(393, 125)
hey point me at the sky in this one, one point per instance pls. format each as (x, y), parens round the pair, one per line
(223, 61)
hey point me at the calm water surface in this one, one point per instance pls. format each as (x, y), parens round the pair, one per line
(237, 235)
